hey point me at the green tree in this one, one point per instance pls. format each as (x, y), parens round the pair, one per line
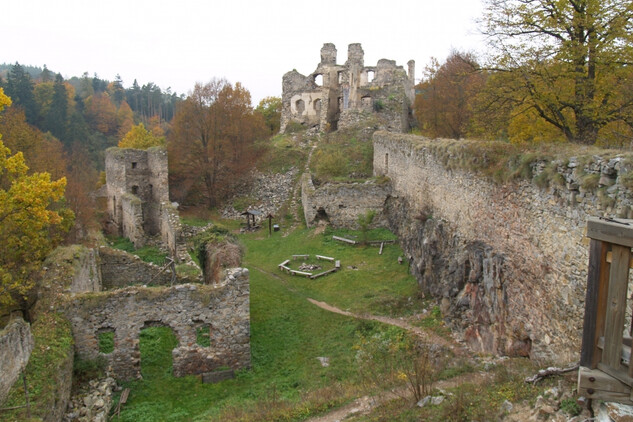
(20, 89)
(56, 119)
(568, 60)
(27, 221)
(140, 138)
(270, 109)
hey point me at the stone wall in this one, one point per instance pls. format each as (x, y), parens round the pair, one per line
(342, 203)
(222, 309)
(336, 96)
(121, 269)
(16, 344)
(138, 195)
(509, 260)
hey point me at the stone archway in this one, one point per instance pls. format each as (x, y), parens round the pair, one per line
(156, 343)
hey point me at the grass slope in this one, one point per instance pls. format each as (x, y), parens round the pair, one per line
(287, 336)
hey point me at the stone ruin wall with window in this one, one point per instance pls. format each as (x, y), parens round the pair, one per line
(337, 96)
(138, 196)
(219, 313)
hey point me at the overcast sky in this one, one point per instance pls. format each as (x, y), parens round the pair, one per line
(177, 43)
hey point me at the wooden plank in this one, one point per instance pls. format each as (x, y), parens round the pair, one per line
(315, 276)
(610, 231)
(325, 258)
(381, 246)
(615, 373)
(610, 259)
(283, 264)
(295, 272)
(337, 264)
(616, 306)
(626, 351)
(595, 303)
(595, 384)
(342, 239)
(300, 256)
(284, 268)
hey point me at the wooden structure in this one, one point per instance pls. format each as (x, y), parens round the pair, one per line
(606, 371)
(250, 216)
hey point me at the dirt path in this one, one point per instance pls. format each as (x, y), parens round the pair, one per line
(364, 405)
(427, 335)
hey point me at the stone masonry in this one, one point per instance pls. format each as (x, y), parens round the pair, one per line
(336, 96)
(220, 310)
(340, 204)
(138, 196)
(508, 261)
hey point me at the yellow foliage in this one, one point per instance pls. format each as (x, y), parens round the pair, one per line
(26, 220)
(529, 127)
(140, 138)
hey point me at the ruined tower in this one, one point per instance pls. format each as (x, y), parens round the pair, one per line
(336, 96)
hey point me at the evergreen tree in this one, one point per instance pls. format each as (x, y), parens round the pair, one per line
(20, 89)
(57, 116)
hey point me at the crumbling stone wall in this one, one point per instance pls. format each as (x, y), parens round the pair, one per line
(342, 203)
(336, 96)
(16, 345)
(221, 309)
(121, 269)
(138, 196)
(508, 261)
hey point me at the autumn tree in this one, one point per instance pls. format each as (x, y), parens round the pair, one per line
(27, 221)
(101, 113)
(210, 144)
(567, 61)
(140, 138)
(443, 106)
(270, 109)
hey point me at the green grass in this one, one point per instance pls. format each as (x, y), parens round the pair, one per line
(146, 253)
(50, 358)
(106, 342)
(375, 283)
(287, 335)
(345, 155)
(286, 381)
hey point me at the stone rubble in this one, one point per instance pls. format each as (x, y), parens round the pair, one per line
(93, 405)
(269, 191)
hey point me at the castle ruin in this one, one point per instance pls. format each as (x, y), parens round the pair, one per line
(337, 96)
(138, 196)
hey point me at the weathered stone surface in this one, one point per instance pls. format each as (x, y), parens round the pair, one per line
(223, 309)
(342, 203)
(510, 259)
(336, 96)
(16, 345)
(138, 197)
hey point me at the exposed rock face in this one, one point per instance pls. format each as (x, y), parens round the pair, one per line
(93, 405)
(16, 344)
(509, 262)
(342, 203)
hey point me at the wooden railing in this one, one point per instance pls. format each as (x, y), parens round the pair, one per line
(606, 371)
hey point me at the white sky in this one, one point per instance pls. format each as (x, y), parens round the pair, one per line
(179, 42)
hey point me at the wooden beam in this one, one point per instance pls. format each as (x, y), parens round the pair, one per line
(618, 232)
(342, 239)
(610, 259)
(616, 306)
(595, 303)
(595, 384)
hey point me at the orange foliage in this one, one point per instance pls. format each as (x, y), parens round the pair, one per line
(101, 113)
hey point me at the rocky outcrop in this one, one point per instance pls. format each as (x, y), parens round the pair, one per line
(93, 405)
(16, 344)
(508, 261)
